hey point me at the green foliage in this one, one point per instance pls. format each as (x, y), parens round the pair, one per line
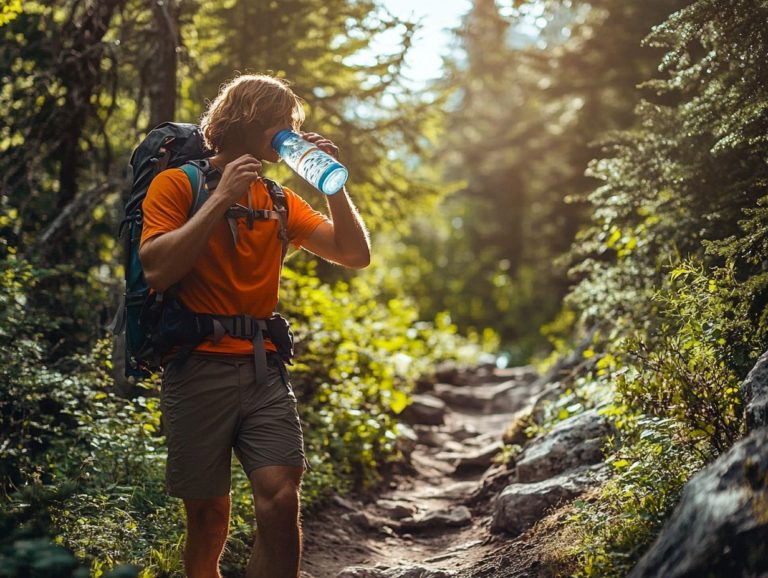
(673, 267)
(358, 358)
(689, 366)
(88, 468)
(526, 110)
(614, 527)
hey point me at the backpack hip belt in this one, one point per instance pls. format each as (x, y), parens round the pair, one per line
(172, 321)
(244, 327)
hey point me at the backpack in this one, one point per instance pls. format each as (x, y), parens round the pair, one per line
(140, 340)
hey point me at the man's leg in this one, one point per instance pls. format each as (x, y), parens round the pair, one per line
(277, 552)
(207, 527)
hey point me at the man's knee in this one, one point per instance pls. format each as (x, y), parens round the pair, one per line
(279, 505)
(209, 516)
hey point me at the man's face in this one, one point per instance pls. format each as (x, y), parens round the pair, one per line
(262, 143)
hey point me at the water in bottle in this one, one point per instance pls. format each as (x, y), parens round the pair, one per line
(319, 169)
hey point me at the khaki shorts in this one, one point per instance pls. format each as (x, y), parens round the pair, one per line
(211, 405)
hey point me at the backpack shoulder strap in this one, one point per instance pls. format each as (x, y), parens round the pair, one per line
(280, 206)
(197, 175)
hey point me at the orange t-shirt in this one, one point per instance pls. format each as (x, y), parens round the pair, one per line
(229, 279)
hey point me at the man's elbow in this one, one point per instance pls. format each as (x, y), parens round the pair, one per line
(152, 276)
(358, 261)
(155, 281)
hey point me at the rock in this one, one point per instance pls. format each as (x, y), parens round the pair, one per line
(463, 432)
(720, 527)
(447, 372)
(489, 374)
(359, 519)
(524, 373)
(452, 517)
(480, 458)
(754, 389)
(361, 572)
(520, 506)
(460, 397)
(431, 436)
(426, 410)
(499, 397)
(407, 438)
(344, 503)
(401, 572)
(396, 510)
(577, 441)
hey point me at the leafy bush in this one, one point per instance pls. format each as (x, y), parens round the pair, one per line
(614, 527)
(357, 360)
(96, 462)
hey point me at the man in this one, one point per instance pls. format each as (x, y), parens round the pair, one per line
(212, 402)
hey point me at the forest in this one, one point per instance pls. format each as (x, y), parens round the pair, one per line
(583, 180)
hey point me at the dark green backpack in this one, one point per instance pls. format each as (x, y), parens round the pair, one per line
(139, 345)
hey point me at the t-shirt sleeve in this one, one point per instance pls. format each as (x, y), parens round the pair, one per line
(302, 218)
(167, 203)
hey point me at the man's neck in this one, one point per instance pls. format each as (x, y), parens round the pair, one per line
(221, 159)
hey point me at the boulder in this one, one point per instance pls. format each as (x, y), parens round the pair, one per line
(520, 506)
(720, 527)
(576, 441)
(754, 390)
(450, 517)
(426, 410)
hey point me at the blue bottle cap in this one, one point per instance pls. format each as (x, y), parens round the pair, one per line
(280, 137)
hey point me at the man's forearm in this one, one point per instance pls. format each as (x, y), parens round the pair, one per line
(350, 234)
(166, 259)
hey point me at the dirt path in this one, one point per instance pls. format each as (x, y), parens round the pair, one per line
(449, 465)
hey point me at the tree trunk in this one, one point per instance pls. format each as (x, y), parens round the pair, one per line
(80, 71)
(163, 66)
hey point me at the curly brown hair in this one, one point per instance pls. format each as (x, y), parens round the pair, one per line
(250, 102)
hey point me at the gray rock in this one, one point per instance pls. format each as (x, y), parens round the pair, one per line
(426, 410)
(507, 396)
(482, 458)
(448, 372)
(720, 527)
(520, 506)
(361, 572)
(359, 519)
(407, 438)
(431, 436)
(396, 510)
(459, 396)
(463, 432)
(754, 389)
(344, 503)
(577, 441)
(479, 458)
(451, 517)
(400, 572)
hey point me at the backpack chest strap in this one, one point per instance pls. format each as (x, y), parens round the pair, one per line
(238, 211)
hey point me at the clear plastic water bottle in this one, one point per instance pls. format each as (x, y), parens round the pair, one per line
(319, 169)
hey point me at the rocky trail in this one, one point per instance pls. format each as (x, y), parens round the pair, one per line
(456, 511)
(457, 508)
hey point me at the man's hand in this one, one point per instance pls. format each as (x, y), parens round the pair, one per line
(237, 177)
(322, 143)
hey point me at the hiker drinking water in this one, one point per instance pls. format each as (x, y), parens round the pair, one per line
(213, 238)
